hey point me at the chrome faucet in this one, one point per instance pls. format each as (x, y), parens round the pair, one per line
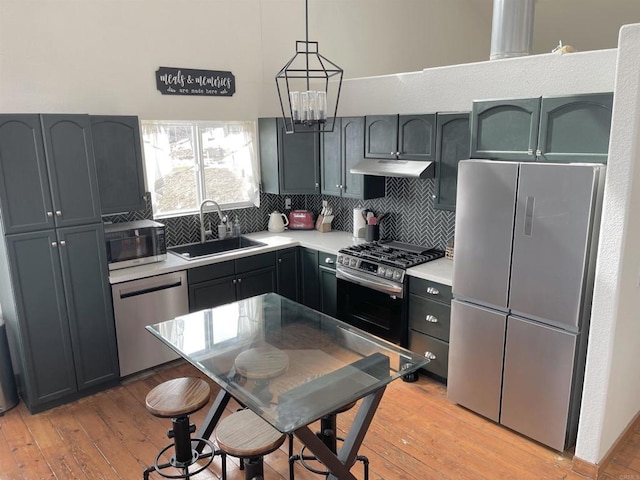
(203, 231)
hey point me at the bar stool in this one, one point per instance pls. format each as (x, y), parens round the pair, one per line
(177, 399)
(246, 436)
(328, 435)
(261, 364)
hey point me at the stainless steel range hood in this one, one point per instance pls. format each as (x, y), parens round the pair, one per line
(394, 168)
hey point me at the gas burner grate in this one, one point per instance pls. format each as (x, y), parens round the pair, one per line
(400, 255)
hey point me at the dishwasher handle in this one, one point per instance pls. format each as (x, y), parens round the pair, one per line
(158, 288)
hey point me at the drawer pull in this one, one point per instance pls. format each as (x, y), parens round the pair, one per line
(430, 355)
(329, 261)
(433, 291)
(431, 319)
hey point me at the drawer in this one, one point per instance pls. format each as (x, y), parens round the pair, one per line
(423, 344)
(256, 262)
(327, 260)
(210, 272)
(429, 289)
(429, 317)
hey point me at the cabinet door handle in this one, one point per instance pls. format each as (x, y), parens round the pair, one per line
(433, 291)
(430, 355)
(58, 213)
(239, 280)
(431, 319)
(538, 153)
(337, 186)
(54, 244)
(317, 184)
(434, 196)
(392, 153)
(329, 260)
(530, 152)
(234, 281)
(62, 243)
(49, 214)
(279, 260)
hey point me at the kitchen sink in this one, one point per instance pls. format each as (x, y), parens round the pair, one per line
(194, 251)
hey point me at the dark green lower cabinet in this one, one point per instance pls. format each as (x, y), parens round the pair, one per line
(60, 318)
(328, 291)
(310, 291)
(219, 283)
(319, 284)
(287, 273)
(255, 283)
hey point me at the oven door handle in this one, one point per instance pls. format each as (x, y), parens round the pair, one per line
(377, 284)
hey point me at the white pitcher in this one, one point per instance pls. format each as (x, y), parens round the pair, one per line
(277, 222)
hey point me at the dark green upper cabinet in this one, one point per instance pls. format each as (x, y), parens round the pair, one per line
(289, 164)
(47, 172)
(406, 137)
(417, 137)
(452, 145)
(575, 128)
(341, 150)
(71, 167)
(118, 154)
(25, 198)
(505, 129)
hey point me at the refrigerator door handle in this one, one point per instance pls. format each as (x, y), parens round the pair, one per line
(528, 216)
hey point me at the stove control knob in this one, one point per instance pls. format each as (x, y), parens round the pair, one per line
(352, 263)
(339, 260)
(397, 274)
(389, 273)
(381, 271)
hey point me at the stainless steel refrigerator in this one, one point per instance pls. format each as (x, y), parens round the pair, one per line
(525, 247)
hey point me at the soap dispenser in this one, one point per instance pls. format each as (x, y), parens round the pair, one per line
(236, 231)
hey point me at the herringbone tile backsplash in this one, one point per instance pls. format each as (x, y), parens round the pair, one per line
(408, 204)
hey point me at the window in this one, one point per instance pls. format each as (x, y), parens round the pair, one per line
(187, 162)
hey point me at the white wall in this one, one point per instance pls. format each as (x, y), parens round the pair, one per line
(100, 56)
(612, 383)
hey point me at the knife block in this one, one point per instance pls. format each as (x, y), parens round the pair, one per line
(323, 224)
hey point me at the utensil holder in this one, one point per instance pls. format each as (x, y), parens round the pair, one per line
(372, 233)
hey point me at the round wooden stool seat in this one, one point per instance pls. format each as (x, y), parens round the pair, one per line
(244, 434)
(343, 409)
(262, 363)
(180, 396)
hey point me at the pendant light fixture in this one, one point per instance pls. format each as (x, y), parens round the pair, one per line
(304, 88)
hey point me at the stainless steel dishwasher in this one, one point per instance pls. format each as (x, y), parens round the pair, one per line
(142, 302)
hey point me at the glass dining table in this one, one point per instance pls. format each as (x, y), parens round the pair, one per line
(291, 365)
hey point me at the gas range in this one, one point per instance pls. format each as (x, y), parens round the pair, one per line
(382, 266)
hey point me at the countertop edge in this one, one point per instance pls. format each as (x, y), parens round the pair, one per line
(439, 271)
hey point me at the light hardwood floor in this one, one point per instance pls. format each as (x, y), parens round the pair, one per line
(416, 434)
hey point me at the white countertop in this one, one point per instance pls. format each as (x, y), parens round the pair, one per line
(438, 270)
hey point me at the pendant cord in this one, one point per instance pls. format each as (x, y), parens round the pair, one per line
(306, 26)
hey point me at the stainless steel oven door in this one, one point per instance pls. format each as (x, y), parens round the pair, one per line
(379, 313)
(371, 281)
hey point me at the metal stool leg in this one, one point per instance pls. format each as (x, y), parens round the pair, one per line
(184, 456)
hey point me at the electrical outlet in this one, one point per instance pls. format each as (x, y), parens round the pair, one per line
(287, 204)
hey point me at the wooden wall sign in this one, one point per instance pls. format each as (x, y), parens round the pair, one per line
(187, 81)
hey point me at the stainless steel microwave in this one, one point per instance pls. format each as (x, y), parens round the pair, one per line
(135, 243)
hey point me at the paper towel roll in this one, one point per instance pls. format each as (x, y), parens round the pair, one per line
(359, 223)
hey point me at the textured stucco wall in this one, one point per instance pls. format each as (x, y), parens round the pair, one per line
(611, 394)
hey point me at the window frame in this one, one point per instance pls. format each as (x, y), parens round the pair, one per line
(197, 127)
